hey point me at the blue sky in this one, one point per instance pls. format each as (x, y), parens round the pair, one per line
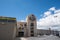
(21, 8)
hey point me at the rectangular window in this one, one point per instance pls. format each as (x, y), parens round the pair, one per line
(25, 24)
(32, 31)
(32, 34)
(11, 20)
(3, 20)
(32, 24)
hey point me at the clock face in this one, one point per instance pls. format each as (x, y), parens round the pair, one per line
(32, 18)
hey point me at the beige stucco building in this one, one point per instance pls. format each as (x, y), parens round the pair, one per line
(28, 28)
(8, 28)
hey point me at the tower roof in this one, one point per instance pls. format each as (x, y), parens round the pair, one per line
(31, 15)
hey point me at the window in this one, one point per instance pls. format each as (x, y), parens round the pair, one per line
(32, 24)
(32, 34)
(20, 34)
(11, 20)
(19, 27)
(1, 20)
(25, 24)
(32, 31)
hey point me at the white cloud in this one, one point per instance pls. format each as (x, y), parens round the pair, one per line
(22, 21)
(47, 13)
(57, 11)
(52, 20)
(52, 9)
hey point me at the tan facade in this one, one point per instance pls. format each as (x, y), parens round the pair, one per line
(7, 28)
(29, 28)
(31, 25)
(22, 28)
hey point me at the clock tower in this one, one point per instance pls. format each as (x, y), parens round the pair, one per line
(31, 25)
